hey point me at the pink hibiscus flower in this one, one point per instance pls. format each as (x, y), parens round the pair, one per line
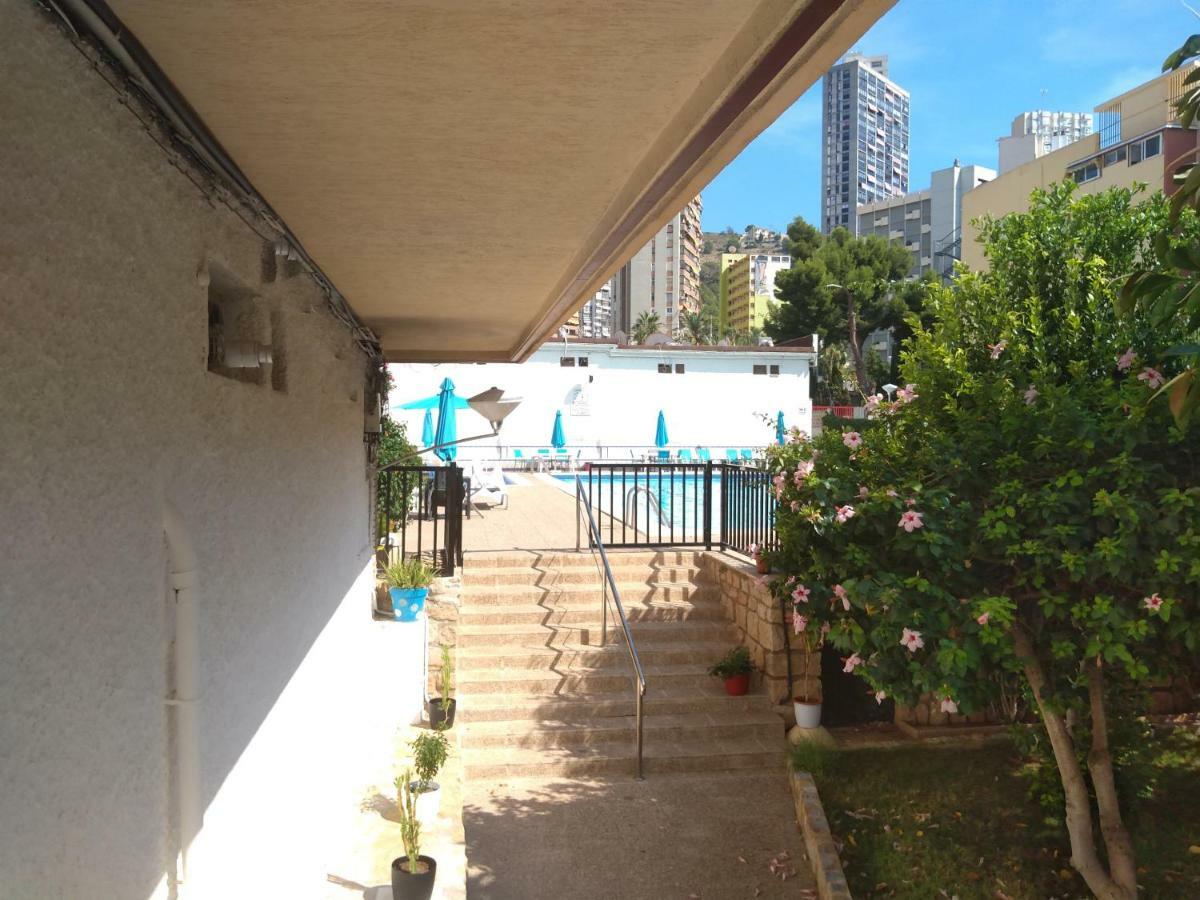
(840, 593)
(800, 594)
(852, 439)
(907, 394)
(873, 402)
(791, 579)
(983, 618)
(1153, 602)
(912, 640)
(1154, 379)
(910, 521)
(845, 513)
(997, 348)
(799, 623)
(949, 706)
(853, 661)
(1031, 394)
(1125, 360)
(880, 696)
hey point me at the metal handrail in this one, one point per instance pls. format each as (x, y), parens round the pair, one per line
(651, 500)
(583, 504)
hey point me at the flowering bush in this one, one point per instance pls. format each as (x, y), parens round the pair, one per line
(1018, 508)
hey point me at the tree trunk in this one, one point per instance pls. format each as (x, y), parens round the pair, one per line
(1084, 857)
(860, 367)
(1116, 837)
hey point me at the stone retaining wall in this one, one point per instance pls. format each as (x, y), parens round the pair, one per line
(759, 620)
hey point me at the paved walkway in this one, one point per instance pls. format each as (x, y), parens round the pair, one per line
(670, 836)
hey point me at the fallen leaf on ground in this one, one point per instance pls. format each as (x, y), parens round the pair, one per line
(741, 859)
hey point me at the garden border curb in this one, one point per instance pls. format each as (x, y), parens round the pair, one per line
(818, 840)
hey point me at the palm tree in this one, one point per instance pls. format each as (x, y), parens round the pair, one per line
(647, 323)
(694, 329)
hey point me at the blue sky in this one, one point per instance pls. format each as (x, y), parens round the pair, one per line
(970, 67)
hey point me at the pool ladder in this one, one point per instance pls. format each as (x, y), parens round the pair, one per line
(651, 501)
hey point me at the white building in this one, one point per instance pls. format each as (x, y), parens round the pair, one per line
(610, 396)
(927, 223)
(1036, 133)
(864, 139)
(596, 316)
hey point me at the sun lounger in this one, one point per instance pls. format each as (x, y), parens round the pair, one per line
(731, 455)
(704, 453)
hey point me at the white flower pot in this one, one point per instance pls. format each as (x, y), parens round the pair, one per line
(428, 802)
(808, 715)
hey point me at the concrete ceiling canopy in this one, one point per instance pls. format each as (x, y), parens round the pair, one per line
(466, 174)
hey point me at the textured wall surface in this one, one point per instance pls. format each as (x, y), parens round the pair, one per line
(107, 414)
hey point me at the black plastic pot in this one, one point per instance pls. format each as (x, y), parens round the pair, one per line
(439, 715)
(407, 886)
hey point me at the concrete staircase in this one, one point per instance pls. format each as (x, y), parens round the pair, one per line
(538, 695)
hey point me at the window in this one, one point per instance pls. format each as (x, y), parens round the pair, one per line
(1115, 156)
(678, 368)
(1087, 172)
(583, 361)
(774, 371)
(664, 368)
(1109, 126)
(760, 370)
(1152, 146)
(566, 361)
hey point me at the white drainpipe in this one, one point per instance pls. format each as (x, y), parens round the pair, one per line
(184, 583)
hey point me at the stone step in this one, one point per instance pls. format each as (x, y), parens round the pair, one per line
(588, 613)
(568, 706)
(666, 757)
(532, 656)
(562, 559)
(645, 634)
(540, 576)
(541, 734)
(576, 679)
(631, 592)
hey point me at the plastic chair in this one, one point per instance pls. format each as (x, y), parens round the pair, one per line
(731, 455)
(747, 454)
(704, 453)
(519, 459)
(562, 456)
(685, 456)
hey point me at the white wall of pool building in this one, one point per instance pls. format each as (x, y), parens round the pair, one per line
(610, 395)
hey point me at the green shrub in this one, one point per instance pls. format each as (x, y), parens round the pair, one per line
(735, 662)
(413, 572)
(430, 750)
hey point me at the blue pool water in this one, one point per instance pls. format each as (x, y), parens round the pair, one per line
(681, 499)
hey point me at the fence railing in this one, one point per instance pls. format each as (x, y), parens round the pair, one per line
(419, 512)
(672, 504)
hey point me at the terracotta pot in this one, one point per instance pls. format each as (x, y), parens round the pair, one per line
(737, 685)
(808, 715)
(761, 565)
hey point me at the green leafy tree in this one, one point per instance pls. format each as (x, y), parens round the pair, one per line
(1171, 289)
(841, 287)
(1019, 510)
(647, 324)
(694, 329)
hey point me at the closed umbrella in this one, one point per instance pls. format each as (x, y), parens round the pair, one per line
(557, 439)
(660, 433)
(427, 429)
(447, 425)
(780, 431)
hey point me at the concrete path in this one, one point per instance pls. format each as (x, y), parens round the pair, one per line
(670, 836)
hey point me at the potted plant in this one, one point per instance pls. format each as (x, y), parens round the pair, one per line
(760, 559)
(412, 873)
(430, 750)
(441, 709)
(806, 704)
(735, 667)
(408, 583)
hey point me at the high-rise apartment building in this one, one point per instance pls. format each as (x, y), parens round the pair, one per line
(596, 316)
(663, 278)
(748, 288)
(864, 139)
(927, 223)
(1039, 132)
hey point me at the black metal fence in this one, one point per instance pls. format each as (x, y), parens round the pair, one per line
(419, 512)
(728, 505)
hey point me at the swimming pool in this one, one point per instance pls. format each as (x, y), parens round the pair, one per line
(632, 500)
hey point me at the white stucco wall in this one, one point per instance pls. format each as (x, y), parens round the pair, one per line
(716, 402)
(107, 414)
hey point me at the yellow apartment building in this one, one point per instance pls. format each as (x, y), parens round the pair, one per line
(748, 288)
(1138, 139)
